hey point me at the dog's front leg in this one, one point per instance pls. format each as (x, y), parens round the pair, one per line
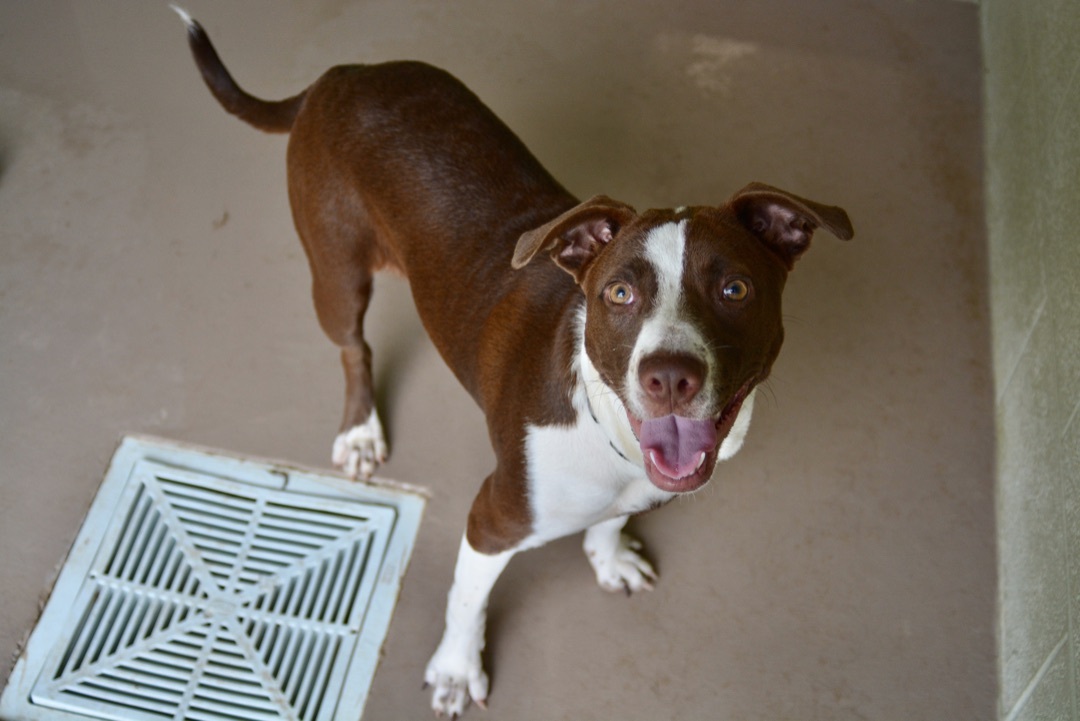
(615, 559)
(455, 670)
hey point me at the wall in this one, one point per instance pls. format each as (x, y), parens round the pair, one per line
(1033, 169)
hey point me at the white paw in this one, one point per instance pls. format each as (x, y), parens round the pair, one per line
(359, 450)
(621, 569)
(455, 680)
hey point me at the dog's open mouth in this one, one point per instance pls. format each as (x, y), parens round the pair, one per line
(680, 453)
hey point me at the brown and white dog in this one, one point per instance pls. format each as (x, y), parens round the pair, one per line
(614, 353)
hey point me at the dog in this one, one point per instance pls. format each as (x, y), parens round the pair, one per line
(614, 353)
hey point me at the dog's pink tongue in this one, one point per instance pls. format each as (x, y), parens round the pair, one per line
(675, 444)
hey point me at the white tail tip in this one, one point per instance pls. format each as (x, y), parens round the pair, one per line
(184, 15)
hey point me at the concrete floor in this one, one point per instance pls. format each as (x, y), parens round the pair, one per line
(841, 567)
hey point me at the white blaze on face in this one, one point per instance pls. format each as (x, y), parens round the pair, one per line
(667, 328)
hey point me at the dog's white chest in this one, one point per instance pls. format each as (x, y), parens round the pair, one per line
(577, 478)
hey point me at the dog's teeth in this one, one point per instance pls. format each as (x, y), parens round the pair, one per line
(701, 461)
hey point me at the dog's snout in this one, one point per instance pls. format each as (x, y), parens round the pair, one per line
(670, 381)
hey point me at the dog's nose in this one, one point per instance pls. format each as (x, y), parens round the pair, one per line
(670, 380)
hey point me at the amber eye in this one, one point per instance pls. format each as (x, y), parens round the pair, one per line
(736, 290)
(619, 294)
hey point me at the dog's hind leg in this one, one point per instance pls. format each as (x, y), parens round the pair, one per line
(341, 300)
(360, 446)
(343, 252)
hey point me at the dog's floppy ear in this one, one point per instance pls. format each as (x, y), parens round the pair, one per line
(786, 222)
(575, 237)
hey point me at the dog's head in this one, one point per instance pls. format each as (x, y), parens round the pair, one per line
(683, 312)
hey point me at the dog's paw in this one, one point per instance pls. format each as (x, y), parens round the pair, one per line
(622, 568)
(361, 449)
(454, 682)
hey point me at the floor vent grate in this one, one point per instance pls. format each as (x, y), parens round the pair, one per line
(204, 587)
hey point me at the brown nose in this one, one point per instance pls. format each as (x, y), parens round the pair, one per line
(670, 380)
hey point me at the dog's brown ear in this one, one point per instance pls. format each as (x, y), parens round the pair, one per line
(577, 236)
(786, 222)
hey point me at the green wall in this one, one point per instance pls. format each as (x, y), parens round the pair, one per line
(1032, 59)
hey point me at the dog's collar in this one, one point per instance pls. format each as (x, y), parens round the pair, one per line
(592, 414)
(588, 377)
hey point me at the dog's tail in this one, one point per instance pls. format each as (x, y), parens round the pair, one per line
(271, 116)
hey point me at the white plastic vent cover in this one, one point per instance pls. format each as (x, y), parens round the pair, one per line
(204, 587)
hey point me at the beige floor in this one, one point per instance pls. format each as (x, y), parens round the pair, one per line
(842, 567)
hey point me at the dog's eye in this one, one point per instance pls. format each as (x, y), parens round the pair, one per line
(619, 294)
(736, 290)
